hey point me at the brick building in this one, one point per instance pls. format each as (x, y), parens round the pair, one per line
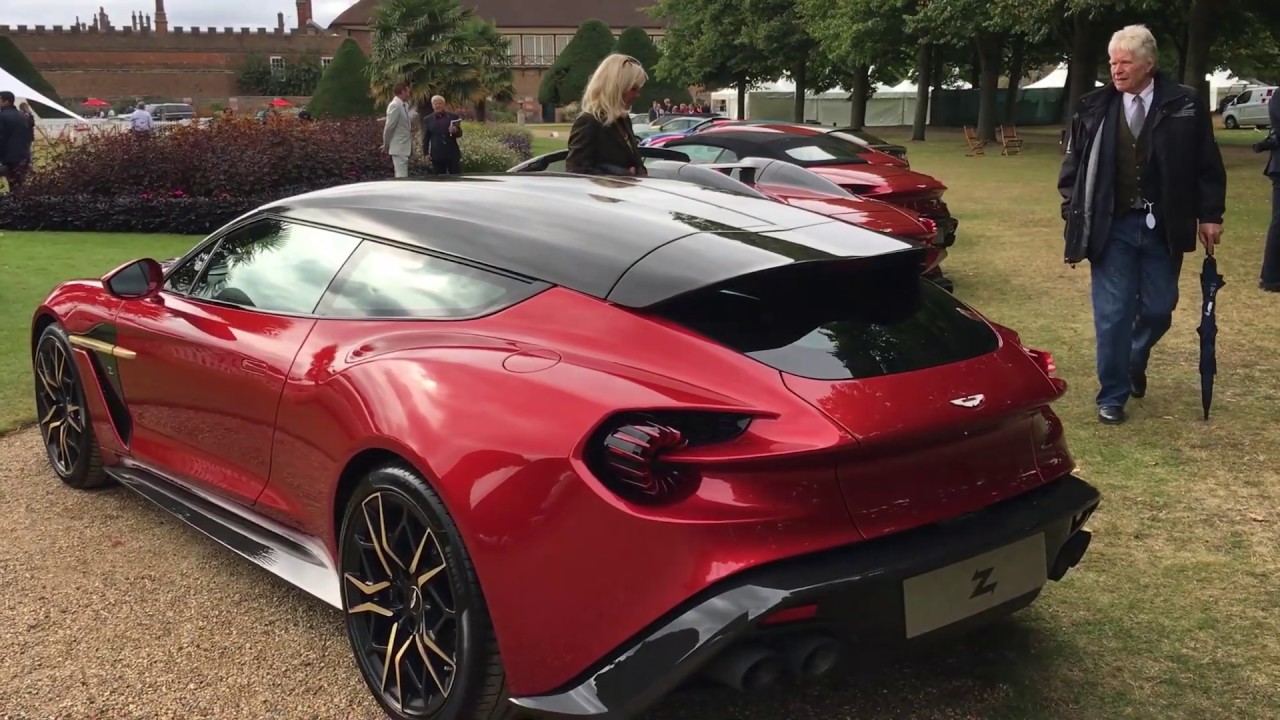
(147, 58)
(538, 30)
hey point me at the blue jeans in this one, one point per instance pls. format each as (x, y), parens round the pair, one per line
(1135, 290)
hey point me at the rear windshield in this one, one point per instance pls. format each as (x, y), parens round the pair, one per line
(838, 321)
(812, 150)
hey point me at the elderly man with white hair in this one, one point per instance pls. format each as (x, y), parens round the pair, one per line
(440, 132)
(1142, 180)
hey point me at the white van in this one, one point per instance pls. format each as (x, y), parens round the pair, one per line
(1249, 108)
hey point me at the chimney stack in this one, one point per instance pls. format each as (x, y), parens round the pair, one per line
(162, 20)
(304, 13)
(279, 22)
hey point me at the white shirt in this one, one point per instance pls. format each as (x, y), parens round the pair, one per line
(140, 120)
(1147, 94)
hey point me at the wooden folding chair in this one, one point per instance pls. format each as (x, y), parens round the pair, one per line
(1009, 139)
(976, 146)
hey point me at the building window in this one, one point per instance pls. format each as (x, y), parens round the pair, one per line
(539, 49)
(513, 47)
(277, 65)
(562, 41)
(324, 62)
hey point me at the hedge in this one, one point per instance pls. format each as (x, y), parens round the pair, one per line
(192, 179)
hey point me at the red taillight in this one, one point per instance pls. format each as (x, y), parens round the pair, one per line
(1044, 359)
(929, 225)
(628, 453)
(790, 615)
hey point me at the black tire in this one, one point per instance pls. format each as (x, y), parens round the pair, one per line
(62, 415)
(420, 631)
(1230, 122)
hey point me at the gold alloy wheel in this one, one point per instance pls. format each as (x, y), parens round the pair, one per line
(59, 406)
(399, 602)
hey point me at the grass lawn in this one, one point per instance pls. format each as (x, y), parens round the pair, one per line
(1175, 611)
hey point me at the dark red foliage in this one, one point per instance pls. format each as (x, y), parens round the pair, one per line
(226, 158)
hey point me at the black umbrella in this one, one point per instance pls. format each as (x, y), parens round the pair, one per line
(1210, 283)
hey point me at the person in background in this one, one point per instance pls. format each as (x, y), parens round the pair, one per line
(440, 132)
(602, 141)
(1270, 280)
(17, 132)
(1142, 179)
(397, 138)
(140, 119)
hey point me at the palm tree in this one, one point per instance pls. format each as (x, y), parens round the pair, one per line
(428, 44)
(496, 79)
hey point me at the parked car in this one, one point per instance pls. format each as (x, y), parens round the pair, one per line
(872, 148)
(561, 443)
(786, 183)
(1249, 108)
(664, 136)
(832, 158)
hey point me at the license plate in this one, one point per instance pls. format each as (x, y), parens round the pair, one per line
(950, 594)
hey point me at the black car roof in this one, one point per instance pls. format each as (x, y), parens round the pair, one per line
(597, 235)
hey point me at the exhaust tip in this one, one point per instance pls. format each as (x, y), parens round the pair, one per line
(747, 668)
(811, 656)
(1071, 553)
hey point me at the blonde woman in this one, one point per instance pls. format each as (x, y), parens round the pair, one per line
(601, 141)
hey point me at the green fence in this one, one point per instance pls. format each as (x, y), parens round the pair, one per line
(956, 108)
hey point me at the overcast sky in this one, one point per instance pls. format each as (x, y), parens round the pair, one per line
(198, 13)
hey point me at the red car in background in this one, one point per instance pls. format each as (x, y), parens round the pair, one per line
(785, 183)
(839, 161)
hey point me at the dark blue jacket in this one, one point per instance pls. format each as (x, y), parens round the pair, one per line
(17, 131)
(1184, 177)
(436, 140)
(1273, 112)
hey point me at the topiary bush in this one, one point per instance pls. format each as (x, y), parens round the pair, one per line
(17, 64)
(634, 41)
(343, 90)
(568, 75)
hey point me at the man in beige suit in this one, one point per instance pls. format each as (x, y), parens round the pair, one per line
(397, 133)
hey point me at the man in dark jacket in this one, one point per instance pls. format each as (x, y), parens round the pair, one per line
(1142, 179)
(1270, 280)
(440, 132)
(17, 131)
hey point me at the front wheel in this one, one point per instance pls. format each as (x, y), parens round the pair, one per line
(415, 615)
(63, 417)
(1230, 122)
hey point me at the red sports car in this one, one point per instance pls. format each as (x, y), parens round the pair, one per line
(785, 183)
(838, 160)
(557, 444)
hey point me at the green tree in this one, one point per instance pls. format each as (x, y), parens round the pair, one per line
(428, 44)
(778, 26)
(568, 76)
(707, 43)
(15, 61)
(496, 79)
(254, 77)
(343, 90)
(634, 41)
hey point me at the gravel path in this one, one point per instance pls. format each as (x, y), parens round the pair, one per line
(113, 610)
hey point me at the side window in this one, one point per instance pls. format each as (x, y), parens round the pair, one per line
(386, 281)
(274, 266)
(1244, 97)
(184, 275)
(706, 153)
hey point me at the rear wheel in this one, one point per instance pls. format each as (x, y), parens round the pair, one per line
(63, 418)
(415, 615)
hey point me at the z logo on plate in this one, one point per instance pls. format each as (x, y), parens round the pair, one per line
(983, 588)
(971, 401)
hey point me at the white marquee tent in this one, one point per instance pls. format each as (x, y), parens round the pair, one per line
(25, 92)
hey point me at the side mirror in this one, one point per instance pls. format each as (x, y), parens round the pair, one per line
(135, 280)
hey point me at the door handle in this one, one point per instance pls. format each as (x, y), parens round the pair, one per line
(254, 366)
